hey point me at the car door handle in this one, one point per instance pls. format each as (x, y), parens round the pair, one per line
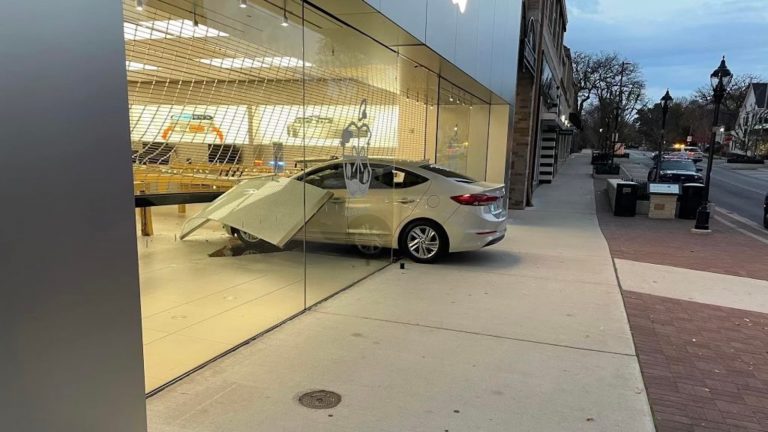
(338, 200)
(406, 201)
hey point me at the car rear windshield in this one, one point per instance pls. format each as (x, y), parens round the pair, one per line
(461, 178)
(678, 165)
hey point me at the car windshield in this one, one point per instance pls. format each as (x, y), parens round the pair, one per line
(461, 178)
(678, 165)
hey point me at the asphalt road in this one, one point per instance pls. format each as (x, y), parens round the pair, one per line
(738, 191)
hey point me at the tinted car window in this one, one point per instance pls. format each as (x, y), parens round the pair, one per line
(387, 176)
(678, 165)
(330, 177)
(461, 178)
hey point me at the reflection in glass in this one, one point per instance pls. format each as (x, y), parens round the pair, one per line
(462, 131)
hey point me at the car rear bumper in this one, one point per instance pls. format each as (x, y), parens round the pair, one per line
(472, 228)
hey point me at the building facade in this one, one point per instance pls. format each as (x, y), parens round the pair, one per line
(545, 101)
(122, 117)
(752, 122)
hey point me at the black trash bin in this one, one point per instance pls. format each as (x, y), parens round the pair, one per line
(691, 200)
(626, 199)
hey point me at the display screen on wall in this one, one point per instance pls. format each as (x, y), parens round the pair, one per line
(322, 125)
(219, 124)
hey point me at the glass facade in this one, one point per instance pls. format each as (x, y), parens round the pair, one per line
(297, 126)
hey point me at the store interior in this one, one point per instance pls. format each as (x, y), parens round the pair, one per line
(220, 94)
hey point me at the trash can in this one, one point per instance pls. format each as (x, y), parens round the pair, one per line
(626, 199)
(691, 200)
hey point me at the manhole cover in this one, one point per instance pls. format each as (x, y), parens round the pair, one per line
(320, 399)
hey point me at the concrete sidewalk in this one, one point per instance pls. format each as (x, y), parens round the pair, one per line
(528, 335)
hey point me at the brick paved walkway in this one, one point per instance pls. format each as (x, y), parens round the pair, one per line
(670, 242)
(705, 366)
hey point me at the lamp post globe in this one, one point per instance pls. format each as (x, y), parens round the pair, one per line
(720, 80)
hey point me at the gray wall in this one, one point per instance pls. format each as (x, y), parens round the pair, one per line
(70, 334)
(483, 41)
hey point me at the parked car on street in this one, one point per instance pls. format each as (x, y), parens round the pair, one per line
(424, 210)
(676, 170)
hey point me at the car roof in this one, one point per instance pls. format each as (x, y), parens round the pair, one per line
(403, 163)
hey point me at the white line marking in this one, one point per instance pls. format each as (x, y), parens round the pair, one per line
(741, 219)
(719, 178)
(741, 230)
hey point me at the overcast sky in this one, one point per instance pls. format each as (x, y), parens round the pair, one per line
(678, 43)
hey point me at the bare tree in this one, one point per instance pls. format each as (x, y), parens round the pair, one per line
(734, 97)
(608, 85)
(746, 128)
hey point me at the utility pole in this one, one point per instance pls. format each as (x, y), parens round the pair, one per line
(615, 137)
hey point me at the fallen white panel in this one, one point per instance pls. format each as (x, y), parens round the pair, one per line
(269, 208)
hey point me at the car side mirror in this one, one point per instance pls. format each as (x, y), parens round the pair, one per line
(699, 169)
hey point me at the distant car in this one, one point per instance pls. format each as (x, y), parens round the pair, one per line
(677, 170)
(424, 210)
(694, 153)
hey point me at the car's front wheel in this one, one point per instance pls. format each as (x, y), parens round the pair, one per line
(246, 238)
(424, 241)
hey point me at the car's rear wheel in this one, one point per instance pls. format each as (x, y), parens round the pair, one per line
(765, 220)
(246, 238)
(423, 241)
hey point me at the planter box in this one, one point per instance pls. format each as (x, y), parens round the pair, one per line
(745, 160)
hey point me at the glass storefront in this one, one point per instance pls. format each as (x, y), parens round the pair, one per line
(297, 126)
(462, 133)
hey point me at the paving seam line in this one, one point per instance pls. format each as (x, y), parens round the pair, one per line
(634, 343)
(476, 333)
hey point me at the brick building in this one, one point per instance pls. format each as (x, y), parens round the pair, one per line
(545, 102)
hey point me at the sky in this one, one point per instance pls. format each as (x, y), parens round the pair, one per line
(678, 43)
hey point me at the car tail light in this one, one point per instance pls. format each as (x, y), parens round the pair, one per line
(475, 199)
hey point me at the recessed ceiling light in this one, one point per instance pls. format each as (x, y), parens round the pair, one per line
(258, 62)
(139, 4)
(243, 3)
(134, 66)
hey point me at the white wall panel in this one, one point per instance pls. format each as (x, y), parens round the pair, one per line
(467, 32)
(506, 42)
(70, 327)
(442, 19)
(485, 44)
(411, 15)
(482, 41)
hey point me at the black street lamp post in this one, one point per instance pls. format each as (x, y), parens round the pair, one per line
(666, 101)
(720, 80)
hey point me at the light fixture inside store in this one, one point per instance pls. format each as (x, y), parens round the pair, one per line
(168, 29)
(285, 14)
(258, 62)
(243, 3)
(139, 4)
(136, 66)
(450, 98)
